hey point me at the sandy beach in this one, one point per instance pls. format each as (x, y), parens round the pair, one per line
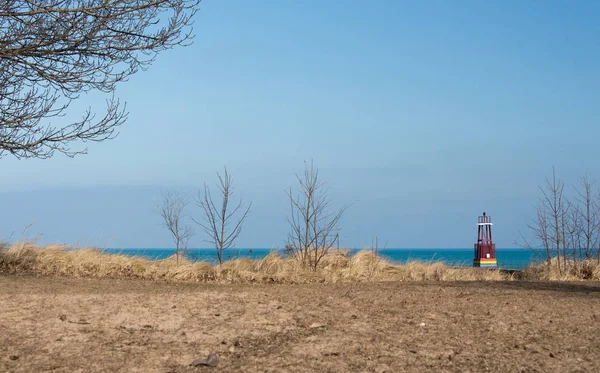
(103, 325)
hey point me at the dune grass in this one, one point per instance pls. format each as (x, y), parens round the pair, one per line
(570, 271)
(336, 266)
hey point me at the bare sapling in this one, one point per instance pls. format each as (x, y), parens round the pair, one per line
(551, 223)
(552, 205)
(313, 227)
(171, 211)
(222, 222)
(575, 232)
(540, 230)
(568, 231)
(587, 212)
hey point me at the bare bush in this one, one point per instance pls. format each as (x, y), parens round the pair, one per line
(566, 230)
(52, 51)
(313, 228)
(171, 211)
(222, 223)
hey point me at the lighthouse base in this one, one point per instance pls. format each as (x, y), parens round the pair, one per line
(487, 263)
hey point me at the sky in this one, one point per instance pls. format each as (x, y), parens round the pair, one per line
(419, 116)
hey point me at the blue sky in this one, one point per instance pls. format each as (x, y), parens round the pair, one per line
(419, 114)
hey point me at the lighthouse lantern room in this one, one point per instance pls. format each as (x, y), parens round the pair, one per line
(485, 249)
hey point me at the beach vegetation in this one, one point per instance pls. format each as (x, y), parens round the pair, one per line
(312, 220)
(222, 222)
(566, 229)
(171, 210)
(334, 267)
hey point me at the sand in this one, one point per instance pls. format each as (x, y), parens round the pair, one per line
(51, 324)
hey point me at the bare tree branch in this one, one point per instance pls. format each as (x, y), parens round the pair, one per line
(52, 51)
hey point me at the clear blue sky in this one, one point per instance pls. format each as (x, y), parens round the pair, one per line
(420, 114)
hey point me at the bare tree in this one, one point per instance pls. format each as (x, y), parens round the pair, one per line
(222, 223)
(52, 51)
(568, 230)
(313, 228)
(575, 231)
(587, 212)
(552, 203)
(540, 229)
(550, 226)
(171, 211)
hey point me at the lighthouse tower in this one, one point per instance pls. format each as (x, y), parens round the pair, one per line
(485, 249)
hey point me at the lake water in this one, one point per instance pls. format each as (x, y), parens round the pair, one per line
(507, 258)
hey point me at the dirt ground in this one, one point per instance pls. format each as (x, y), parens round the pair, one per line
(87, 325)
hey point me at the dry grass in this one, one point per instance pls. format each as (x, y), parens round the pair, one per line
(61, 261)
(575, 271)
(337, 266)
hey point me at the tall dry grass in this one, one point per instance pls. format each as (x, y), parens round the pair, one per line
(62, 261)
(570, 271)
(337, 266)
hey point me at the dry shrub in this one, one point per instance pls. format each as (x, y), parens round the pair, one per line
(195, 272)
(335, 260)
(238, 270)
(19, 258)
(575, 271)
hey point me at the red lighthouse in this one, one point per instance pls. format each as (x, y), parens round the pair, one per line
(485, 249)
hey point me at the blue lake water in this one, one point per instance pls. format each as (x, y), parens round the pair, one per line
(507, 258)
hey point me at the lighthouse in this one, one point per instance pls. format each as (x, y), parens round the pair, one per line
(485, 249)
